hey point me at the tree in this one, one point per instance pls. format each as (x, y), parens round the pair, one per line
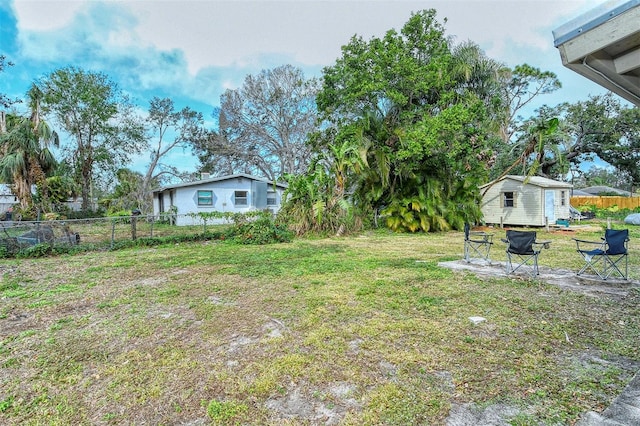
(601, 176)
(128, 193)
(520, 87)
(5, 101)
(27, 159)
(263, 126)
(624, 152)
(424, 121)
(169, 129)
(558, 140)
(98, 117)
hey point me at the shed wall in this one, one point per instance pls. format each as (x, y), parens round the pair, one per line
(529, 209)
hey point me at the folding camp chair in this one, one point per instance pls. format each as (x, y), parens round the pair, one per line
(607, 257)
(522, 251)
(476, 243)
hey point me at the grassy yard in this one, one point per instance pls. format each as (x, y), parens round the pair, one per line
(357, 330)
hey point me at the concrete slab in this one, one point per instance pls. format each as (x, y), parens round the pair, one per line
(591, 285)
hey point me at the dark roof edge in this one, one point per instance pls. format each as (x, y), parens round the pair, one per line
(590, 20)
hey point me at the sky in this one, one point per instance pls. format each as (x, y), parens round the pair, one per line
(193, 50)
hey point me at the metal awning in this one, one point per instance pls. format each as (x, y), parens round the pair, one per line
(603, 45)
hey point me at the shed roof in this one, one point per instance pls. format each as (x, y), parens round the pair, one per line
(534, 180)
(603, 45)
(220, 179)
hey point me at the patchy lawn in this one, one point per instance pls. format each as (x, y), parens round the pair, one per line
(350, 331)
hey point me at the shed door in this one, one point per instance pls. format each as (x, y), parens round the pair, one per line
(549, 205)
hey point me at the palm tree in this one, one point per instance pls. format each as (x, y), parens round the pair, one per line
(27, 158)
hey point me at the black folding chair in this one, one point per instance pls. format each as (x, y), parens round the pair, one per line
(477, 244)
(522, 252)
(606, 257)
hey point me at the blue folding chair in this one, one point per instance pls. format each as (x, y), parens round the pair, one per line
(606, 257)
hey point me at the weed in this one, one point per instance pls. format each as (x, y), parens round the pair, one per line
(6, 403)
(225, 411)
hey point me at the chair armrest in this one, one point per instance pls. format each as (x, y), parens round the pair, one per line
(544, 244)
(590, 243)
(485, 238)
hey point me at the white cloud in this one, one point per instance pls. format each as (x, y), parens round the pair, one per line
(241, 34)
(235, 33)
(43, 15)
(200, 48)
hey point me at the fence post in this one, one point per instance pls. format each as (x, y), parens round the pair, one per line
(134, 220)
(113, 232)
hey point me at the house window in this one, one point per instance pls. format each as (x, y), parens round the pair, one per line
(563, 198)
(205, 198)
(508, 199)
(271, 198)
(241, 198)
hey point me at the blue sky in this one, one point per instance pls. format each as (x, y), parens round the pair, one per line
(192, 51)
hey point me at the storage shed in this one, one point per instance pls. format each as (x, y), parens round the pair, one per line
(525, 201)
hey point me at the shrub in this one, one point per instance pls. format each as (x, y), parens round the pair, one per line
(262, 230)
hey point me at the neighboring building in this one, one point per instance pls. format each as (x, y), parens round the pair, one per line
(7, 199)
(580, 193)
(518, 200)
(598, 190)
(236, 193)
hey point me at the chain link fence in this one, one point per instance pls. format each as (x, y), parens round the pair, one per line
(95, 233)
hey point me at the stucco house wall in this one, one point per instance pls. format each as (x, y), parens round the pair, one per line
(238, 193)
(7, 199)
(516, 200)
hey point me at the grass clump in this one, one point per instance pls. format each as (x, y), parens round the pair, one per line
(226, 412)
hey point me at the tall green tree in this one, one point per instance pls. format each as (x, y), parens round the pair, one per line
(612, 132)
(98, 117)
(520, 86)
(27, 159)
(425, 121)
(128, 193)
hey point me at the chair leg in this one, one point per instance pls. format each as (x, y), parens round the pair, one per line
(611, 267)
(523, 262)
(592, 262)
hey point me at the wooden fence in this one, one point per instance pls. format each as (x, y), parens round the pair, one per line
(603, 202)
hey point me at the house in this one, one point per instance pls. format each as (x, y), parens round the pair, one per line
(525, 201)
(237, 193)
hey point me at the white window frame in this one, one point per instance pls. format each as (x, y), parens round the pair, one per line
(272, 198)
(204, 197)
(241, 200)
(505, 199)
